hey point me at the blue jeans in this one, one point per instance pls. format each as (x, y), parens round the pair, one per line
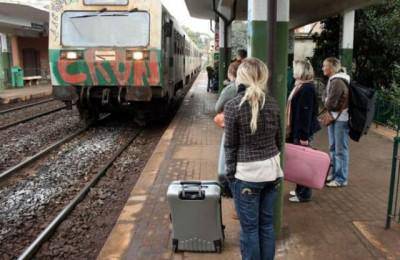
(339, 150)
(254, 203)
(221, 159)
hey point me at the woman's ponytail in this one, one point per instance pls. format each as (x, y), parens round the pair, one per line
(253, 73)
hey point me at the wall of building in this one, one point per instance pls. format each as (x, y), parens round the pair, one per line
(39, 44)
(303, 48)
(4, 61)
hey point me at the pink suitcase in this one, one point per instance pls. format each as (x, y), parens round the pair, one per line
(306, 166)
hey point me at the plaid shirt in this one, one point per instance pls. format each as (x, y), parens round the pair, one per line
(242, 146)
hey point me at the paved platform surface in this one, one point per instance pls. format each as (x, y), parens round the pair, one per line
(23, 94)
(344, 223)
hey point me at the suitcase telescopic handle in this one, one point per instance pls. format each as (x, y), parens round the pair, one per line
(191, 183)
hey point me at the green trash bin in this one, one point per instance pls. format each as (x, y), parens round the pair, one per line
(17, 77)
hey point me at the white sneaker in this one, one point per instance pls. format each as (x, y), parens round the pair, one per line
(294, 199)
(292, 193)
(329, 178)
(335, 184)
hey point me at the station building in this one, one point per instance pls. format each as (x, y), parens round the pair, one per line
(24, 44)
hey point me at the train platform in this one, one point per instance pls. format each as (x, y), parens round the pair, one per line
(345, 223)
(23, 94)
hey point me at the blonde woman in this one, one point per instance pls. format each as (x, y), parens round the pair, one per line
(301, 116)
(252, 149)
(337, 102)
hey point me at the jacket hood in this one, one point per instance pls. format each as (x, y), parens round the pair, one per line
(341, 75)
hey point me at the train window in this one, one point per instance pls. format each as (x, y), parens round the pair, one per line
(105, 2)
(91, 29)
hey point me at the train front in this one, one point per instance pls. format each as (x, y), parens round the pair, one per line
(105, 54)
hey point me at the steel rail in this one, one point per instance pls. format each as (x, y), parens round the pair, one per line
(46, 150)
(31, 250)
(31, 118)
(26, 106)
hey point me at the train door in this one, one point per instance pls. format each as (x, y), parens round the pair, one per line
(176, 57)
(168, 53)
(184, 59)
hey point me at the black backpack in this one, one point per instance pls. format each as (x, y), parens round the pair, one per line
(361, 109)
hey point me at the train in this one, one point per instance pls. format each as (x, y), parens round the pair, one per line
(114, 55)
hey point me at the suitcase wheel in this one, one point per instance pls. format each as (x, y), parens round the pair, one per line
(218, 246)
(175, 243)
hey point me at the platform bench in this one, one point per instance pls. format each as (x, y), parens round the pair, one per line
(31, 79)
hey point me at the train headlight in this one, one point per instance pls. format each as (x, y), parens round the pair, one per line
(71, 55)
(137, 55)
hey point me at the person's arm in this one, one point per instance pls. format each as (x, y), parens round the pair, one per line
(227, 94)
(231, 139)
(336, 91)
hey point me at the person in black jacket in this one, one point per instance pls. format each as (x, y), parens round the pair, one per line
(302, 112)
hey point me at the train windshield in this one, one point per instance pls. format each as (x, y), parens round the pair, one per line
(105, 29)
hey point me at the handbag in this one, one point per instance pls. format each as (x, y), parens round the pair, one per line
(326, 118)
(219, 120)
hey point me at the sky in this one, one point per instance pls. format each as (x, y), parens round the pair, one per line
(176, 7)
(179, 10)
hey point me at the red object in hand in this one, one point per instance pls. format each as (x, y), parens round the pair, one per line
(219, 120)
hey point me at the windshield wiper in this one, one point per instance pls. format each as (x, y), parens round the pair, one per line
(115, 15)
(90, 15)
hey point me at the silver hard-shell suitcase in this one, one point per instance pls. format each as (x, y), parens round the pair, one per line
(196, 216)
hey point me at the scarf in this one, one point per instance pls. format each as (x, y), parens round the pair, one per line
(297, 87)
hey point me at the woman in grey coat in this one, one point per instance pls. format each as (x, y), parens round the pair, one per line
(228, 93)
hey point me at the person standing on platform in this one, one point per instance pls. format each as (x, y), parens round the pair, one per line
(227, 94)
(337, 103)
(210, 76)
(301, 116)
(252, 149)
(241, 55)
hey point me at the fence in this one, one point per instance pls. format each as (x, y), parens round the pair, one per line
(387, 112)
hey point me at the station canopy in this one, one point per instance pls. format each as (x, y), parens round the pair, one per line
(302, 12)
(20, 18)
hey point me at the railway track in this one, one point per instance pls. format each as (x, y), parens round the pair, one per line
(26, 119)
(5, 111)
(30, 251)
(48, 149)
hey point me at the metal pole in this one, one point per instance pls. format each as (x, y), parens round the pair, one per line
(227, 23)
(271, 41)
(390, 214)
(274, 87)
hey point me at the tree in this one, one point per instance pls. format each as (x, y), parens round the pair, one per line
(376, 53)
(202, 40)
(326, 43)
(377, 45)
(239, 36)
